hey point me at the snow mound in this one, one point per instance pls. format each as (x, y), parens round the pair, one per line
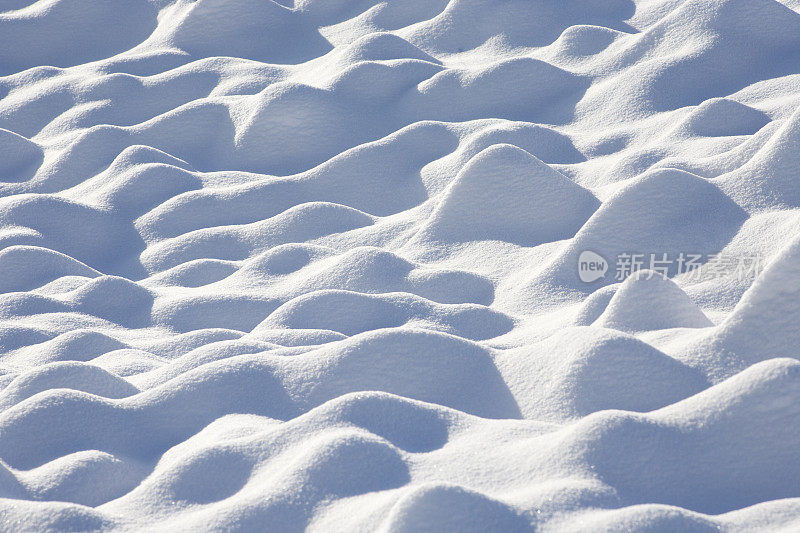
(578, 371)
(763, 324)
(708, 436)
(648, 301)
(719, 117)
(505, 193)
(19, 155)
(432, 507)
(351, 313)
(640, 219)
(769, 178)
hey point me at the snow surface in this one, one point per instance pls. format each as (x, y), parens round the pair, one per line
(277, 265)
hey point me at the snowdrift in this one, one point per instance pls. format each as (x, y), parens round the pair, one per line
(314, 264)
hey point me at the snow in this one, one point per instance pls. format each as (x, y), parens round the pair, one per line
(315, 264)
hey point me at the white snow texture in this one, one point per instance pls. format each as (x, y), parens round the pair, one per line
(286, 265)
